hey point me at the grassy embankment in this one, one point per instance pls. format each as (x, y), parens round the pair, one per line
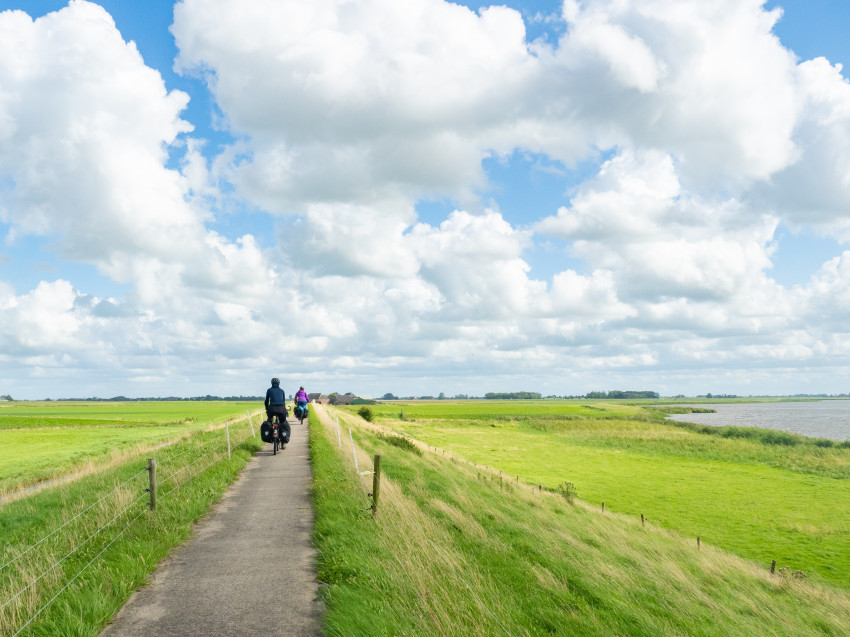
(749, 494)
(106, 518)
(459, 550)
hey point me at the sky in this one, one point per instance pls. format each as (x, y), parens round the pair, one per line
(420, 197)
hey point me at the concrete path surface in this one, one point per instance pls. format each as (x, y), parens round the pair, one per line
(249, 569)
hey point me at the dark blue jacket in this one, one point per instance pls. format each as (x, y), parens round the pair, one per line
(275, 396)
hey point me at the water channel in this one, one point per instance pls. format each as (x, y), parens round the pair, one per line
(816, 419)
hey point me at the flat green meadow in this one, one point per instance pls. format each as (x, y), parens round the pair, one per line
(139, 412)
(787, 501)
(48, 440)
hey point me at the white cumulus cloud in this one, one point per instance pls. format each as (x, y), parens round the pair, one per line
(706, 135)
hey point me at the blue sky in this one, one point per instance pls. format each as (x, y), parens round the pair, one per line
(424, 197)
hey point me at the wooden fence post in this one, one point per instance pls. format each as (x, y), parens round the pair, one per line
(603, 507)
(376, 484)
(698, 543)
(152, 481)
(773, 567)
(642, 520)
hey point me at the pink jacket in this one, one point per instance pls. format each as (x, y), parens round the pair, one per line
(301, 395)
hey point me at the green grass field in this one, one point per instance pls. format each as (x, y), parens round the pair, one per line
(764, 502)
(456, 549)
(141, 412)
(47, 440)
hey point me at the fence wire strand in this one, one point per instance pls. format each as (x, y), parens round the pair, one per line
(171, 475)
(80, 572)
(181, 469)
(208, 443)
(176, 486)
(79, 546)
(127, 481)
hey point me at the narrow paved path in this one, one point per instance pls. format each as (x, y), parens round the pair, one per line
(249, 568)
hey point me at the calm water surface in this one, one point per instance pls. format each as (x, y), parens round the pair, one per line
(821, 419)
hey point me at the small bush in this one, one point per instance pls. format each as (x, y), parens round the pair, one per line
(781, 438)
(365, 413)
(568, 491)
(402, 442)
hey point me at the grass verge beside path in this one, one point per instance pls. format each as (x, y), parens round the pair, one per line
(457, 550)
(97, 536)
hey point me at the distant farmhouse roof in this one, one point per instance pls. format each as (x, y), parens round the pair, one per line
(343, 399)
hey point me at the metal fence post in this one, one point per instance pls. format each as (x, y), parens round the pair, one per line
(354, 452)
(338, 437)
(227, 427)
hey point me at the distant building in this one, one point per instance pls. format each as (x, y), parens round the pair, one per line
(342, 399)
(322, 399)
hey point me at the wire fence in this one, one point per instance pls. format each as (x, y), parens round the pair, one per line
(31, 574)
(77, 575)
(86, 510)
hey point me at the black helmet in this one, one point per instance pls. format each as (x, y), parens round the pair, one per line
(275, 382)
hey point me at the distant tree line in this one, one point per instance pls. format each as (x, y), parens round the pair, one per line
(617, 394)
(514, 395)
(441, 396)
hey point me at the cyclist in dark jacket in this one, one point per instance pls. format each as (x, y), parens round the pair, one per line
(276, 405)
